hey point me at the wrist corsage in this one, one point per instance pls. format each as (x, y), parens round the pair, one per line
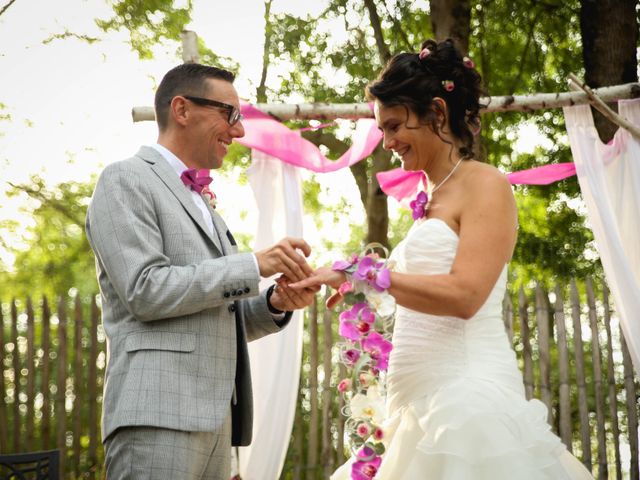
(365, 326)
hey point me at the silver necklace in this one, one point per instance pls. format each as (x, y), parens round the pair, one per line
(433, 190)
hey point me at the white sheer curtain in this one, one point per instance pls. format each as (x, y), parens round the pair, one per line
(275, 359)
(609, 177)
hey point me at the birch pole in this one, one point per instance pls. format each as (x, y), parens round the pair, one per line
(354, 111)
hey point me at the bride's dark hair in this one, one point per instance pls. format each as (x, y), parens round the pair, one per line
(439, 70)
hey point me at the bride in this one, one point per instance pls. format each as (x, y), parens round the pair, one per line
(456, 407)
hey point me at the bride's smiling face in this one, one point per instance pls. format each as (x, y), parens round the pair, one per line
(415, 142)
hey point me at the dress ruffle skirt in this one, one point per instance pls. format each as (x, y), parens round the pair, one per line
(473, 429)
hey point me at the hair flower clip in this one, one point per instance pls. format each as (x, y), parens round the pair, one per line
(448, 85)
(424, 53)
(468, 62)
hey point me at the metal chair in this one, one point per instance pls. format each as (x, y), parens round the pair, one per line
(30, 466)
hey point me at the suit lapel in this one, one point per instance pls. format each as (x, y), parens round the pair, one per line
(222, 229)
(168, 176)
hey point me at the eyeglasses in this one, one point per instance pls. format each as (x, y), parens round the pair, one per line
(234, 113)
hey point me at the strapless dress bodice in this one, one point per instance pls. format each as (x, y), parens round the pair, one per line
(431, 350)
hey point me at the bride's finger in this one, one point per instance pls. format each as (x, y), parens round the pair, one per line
(310, 282)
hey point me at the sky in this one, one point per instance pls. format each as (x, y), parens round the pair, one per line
(70, 101)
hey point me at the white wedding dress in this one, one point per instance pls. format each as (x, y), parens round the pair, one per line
(456, 408)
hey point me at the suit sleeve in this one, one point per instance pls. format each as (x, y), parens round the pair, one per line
(258, 319)
(124, 233)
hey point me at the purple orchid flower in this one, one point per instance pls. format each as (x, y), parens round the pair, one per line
(351, 356)
(373, 273)
(356, 321)
(418, 205)
(367, 465)
(379, 348)
(342, 265)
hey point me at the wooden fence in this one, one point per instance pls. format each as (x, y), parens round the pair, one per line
(52, 361)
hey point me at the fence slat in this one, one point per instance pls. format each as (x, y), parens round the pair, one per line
(61, 384)
(31, 375)
(46, 374)
(327, 447)
(632, 408)
(298, 439)
(544, 351)
(613, 401)
(563, 372)
(597, 384)
(312, 446)
(4, 417)
(78, 385)
(16, 377)
(92, 382)
(583, 409)
(523, 306)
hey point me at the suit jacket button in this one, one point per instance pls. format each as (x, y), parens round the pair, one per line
(226, 294)
(239, 291)
(232, 308)
(247, 289)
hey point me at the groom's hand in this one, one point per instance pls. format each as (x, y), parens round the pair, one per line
(323, 276)
(287, 299)
(283, 258)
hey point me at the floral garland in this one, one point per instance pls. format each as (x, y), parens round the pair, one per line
(365, 324)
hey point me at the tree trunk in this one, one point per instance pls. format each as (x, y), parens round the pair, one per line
(377, 208)
(261, 91)
(609, 31)
(452, 19)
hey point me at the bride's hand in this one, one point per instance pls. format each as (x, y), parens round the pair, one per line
(321, 276)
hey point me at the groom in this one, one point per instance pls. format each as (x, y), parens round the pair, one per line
(179, 302)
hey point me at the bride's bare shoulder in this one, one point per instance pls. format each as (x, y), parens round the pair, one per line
(485, 179)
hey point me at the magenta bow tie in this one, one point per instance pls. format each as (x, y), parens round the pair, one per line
(194, 181)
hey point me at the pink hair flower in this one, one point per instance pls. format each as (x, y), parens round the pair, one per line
(424, 53)
(467, 62)
(448, 85)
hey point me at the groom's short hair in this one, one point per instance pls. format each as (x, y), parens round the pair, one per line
(185, 79)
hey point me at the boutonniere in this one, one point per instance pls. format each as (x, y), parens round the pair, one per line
(210, 196)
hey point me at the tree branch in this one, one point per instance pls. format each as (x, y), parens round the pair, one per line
(51, 202)
(525, 50)
(383, 50)
(398, 26)
(4, 9)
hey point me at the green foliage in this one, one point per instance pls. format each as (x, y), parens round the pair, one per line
(151, 22)
(148, 22)
(55, 255)
(526, 50)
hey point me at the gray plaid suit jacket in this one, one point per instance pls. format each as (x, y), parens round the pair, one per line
(178, 304)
